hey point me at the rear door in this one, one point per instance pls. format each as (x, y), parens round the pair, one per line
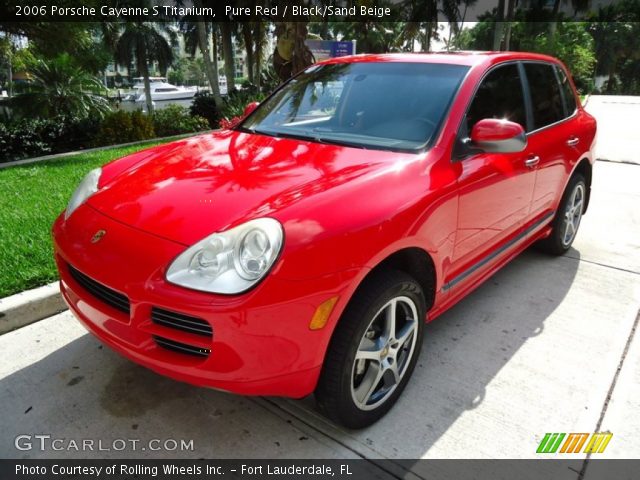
(553, 137)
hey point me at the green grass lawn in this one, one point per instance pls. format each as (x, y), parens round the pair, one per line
(31, 197)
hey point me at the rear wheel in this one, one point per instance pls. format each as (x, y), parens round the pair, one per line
(373, 351)
(567, 220)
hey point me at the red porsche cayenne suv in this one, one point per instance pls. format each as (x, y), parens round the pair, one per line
(303, 250)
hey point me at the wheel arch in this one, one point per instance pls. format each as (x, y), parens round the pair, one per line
(585, 168)
(413, 261)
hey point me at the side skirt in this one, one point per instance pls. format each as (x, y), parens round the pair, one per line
(496, 259)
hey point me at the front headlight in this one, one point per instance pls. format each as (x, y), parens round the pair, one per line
(231, 261)
(88, 186)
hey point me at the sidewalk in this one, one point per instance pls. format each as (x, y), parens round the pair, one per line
(618, 119)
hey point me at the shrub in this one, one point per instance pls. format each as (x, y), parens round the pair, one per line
(78, 134)
(204, 105)
(123, 127)
(23, 139)
(141, 126)
(27, 138)
(236, 101)
(174, 120)
(35, 137)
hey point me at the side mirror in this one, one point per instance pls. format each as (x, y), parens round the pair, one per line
(250, 108)
(498, 136)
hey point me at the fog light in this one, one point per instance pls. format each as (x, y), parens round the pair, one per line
(320, 317)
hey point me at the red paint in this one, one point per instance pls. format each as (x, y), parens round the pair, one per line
(492, 130)
(344, 210)
(250, 108)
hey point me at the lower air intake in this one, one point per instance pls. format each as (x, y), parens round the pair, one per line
(181, 347)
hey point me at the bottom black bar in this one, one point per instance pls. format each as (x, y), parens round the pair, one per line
(574, 469)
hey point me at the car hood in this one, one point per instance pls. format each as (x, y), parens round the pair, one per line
(186, 190)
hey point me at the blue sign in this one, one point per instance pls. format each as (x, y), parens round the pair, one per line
(324, 49)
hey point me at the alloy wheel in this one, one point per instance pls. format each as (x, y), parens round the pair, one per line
(573, 214)
(384, 353)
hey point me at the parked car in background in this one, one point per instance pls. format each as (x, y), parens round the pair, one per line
(303, 250)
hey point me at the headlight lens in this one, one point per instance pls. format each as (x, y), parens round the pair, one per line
(87, 187)
(231, 261)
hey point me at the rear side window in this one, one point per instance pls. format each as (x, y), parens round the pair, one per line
(546, 98)
(569, 97)
(499, 96)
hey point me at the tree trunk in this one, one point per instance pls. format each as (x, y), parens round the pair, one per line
(426, 43)
(499, 26)
(214, 43)
(611, 83)
(324, 29)
(507, 35)
(257, 41)
(10, 78)
(212, 74)
(553, 25)
(144, 70)
(211, 71)
(227, 52)
(450, 35)
(248, 46)
(302, 56)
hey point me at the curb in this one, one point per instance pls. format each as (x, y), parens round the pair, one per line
(27, 161)
(30, 306)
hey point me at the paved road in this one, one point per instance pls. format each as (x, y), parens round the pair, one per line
(546, 345)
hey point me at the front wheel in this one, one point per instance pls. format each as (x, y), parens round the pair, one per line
(373, 350)
(567, 220)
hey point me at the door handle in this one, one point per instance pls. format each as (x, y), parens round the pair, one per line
(573, 141)
(532, 161)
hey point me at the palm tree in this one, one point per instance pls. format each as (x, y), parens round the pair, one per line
(196, 35)
(421, 24)
(227, 52)
(60, 87)
(144, 43)
(260, 40)
(291, 55)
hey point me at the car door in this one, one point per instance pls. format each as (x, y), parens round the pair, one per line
(553, 136)
(494, 189)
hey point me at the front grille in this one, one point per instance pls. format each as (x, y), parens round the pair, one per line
(181, 347)
(112, 298)
(180, 321)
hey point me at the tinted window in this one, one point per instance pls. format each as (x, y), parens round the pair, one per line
(499, 96)
(546, 98)
(569, 96)
(379, 105)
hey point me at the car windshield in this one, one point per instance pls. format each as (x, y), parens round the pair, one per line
(386, 105)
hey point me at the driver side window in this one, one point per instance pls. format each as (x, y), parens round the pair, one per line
(499, 96)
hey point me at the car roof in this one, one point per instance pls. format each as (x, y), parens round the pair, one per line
(468, 58)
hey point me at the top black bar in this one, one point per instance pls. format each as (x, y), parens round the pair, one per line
(22, 11)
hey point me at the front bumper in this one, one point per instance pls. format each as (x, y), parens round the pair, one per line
(261, 343)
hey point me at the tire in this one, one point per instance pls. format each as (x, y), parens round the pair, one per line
(567, 219)
(357, 392)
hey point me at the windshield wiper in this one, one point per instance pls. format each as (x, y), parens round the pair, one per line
(278, 134)
(326, 140)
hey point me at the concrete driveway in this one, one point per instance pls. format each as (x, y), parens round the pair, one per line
(546, 345)
(618, 119)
